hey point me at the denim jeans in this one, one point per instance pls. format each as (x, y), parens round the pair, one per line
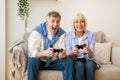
(64, 65)
(85, 70)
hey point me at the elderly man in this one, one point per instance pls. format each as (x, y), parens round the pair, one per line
(41, 44)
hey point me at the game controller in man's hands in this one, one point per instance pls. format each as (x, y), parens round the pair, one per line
(57, 50)
(48, 59)
(80, 46)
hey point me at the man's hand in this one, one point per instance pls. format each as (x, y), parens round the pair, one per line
(49, 52)
(62, 54)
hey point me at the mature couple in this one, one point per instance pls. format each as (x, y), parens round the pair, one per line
(50, 48)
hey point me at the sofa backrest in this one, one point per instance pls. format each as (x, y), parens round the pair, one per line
(99, 37)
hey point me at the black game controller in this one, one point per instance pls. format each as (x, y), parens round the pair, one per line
(80, 46)
(57, 50)
(48, 59)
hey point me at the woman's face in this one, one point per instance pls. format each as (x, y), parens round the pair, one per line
(79, 25)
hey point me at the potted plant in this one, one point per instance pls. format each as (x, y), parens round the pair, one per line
(23, 11)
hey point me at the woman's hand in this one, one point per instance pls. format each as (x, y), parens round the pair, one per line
(73, 51)
(88, 50)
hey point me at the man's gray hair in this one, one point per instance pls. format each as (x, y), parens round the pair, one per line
(54, 14)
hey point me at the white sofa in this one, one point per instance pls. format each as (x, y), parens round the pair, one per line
(18, 71)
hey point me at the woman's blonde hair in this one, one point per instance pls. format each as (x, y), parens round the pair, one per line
(81, 17)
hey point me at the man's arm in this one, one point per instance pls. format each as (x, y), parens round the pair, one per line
(35, 46)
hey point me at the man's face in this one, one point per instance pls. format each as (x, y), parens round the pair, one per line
(53, 24)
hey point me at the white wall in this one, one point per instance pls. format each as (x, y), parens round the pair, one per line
(2, 40)
(101, 15)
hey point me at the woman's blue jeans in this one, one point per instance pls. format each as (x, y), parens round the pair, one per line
(65, 65)
(85, 70)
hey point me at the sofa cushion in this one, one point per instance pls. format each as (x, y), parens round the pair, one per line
(108, 72)
(50, 75)
(116, 56)
(103, 52)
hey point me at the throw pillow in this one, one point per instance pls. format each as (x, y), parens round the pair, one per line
(103, 52)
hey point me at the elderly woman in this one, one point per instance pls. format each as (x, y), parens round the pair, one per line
(80, 46)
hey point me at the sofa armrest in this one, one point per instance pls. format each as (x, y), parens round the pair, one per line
(18, 64)
(116, 56)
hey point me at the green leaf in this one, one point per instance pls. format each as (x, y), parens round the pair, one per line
(23, 11)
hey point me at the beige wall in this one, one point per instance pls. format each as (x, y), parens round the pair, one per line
(2, 40)
(101, 15)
